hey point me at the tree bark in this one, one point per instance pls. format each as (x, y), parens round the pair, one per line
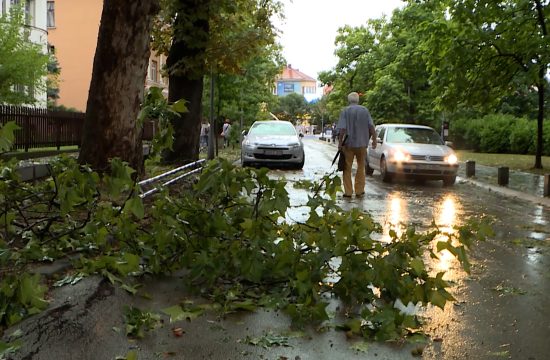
(186, 67)
(541, 87)
(540, 117)
(117, 85)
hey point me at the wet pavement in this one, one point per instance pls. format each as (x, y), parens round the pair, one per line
(502, 307)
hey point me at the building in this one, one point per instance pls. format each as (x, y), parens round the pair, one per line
(35, 24)
(73, 27)
(294, 81)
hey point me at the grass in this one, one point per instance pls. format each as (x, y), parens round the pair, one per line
(523, 163)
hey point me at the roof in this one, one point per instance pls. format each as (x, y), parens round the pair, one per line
(294, 74)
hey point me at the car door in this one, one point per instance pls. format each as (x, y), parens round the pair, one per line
(374, 155)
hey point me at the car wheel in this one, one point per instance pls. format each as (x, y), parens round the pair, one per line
(368, 169)
(244, 163)
(301, 163)
(449, 180)
(386, 176)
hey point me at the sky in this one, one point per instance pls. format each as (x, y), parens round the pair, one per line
(310, 26)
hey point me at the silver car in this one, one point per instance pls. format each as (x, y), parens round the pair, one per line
(272, 142)
(411, 150)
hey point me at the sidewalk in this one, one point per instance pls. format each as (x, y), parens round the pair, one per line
(526, 186)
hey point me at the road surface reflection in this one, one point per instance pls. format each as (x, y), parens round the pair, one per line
(399, 213)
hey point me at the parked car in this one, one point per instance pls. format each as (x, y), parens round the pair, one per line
(272, 142)
(411, 151)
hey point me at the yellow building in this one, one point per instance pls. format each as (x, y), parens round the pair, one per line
(73, 27)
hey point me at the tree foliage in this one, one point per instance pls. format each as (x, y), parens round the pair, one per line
(447, 59)
(291, 107)
(22, 62)
(491, 50)
(209, 37)
(228, 232)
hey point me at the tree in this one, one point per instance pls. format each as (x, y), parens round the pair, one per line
(291, 107)
(241, 95)
(52, 81)
(120, 65)
(383, 61)
(22, 63)
(208, 37)
(477, 52)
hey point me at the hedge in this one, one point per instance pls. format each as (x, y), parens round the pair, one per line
(499, 133)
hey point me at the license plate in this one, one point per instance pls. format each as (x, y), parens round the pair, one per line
(428, 167)
(273, 152)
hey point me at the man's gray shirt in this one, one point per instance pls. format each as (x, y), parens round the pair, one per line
(356, 120)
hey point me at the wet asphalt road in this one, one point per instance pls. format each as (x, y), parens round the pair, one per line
(502, 308)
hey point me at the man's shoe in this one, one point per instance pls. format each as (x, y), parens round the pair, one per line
(347, 196)
(360, 195)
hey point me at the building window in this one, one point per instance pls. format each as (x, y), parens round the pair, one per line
(308, 90)
(51, 14)
(154, 71)
(18, 88)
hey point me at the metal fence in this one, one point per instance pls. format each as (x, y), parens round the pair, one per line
(42, 127)
(46, 128)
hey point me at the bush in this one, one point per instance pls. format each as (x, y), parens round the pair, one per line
(499, 133)
(522, 136)
(546, 138)
(495, 133)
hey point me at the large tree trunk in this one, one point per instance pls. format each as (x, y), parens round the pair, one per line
(541, 87)
(116, 89)
(186, 67)
(540, 118)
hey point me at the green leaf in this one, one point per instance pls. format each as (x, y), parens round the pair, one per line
(180, 106)
(135, 205)
(437, 299)
(177, 313)
(9, 348)
(418, 266)
(361, 346)
(7, 135)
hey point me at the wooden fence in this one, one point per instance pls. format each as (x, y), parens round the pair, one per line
(46, 128)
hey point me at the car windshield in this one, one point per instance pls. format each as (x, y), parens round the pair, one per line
(272, 128)
(413, 135)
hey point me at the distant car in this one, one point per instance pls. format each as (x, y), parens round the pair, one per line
(411, 151)
(272, 142)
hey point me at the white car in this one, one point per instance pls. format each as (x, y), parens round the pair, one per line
(411, 151)
(272, 142)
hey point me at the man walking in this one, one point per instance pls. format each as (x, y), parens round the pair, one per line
(355, 122)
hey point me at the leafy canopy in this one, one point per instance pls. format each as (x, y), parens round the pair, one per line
(22, 63)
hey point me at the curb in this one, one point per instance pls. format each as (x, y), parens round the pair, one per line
(544, 201)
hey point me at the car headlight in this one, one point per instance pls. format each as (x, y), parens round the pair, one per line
(294, 145)
(451, 159)
(400, 155)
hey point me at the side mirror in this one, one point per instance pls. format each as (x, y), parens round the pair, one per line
(449, 144)
(301, 135)
(244, 132)
(378, 140)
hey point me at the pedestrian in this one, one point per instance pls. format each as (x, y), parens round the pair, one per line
(205, 129)
(226, 130)
(334, 133)
(356, 127)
